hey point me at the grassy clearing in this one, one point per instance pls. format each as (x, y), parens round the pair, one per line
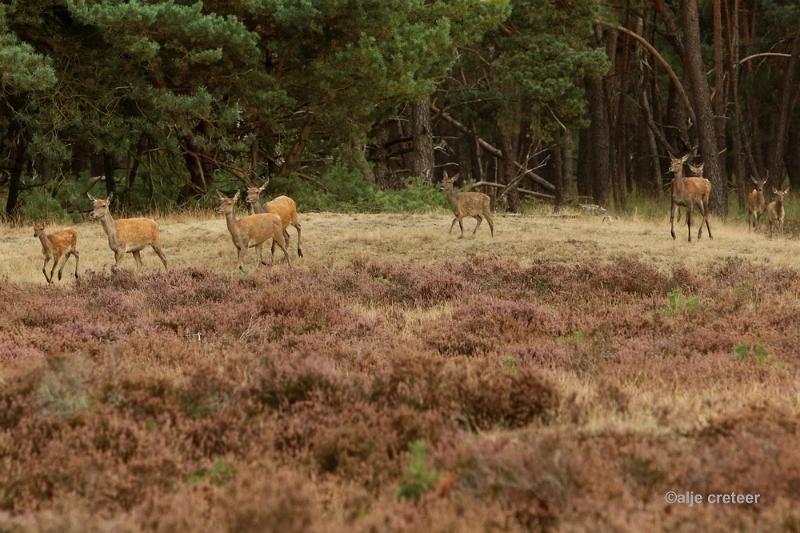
(202, 240)
(567, 373)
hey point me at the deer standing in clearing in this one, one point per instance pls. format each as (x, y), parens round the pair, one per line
(56, 245)
(776, 212)
(127, 235)
(252, 231)
(688, 192)
(467, 204)
(283, 206)
(755, 203)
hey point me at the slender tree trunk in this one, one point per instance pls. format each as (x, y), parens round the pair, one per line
(108, 172)
(599, 143)
(719, 86)
(558, 177)
(781, 129)
(702, 107)
(422, 163)
(15, 179)
(585, 179)
(568, 176)
(508, 123)
(298, 148)
(739, 161)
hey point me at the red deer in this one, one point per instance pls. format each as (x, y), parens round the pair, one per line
(58, 244)
(688, 192)
(128, 235)
(695, 171)
(467, 204)
(755, 204)
(283, 206)
(251, 231)
(776, 212)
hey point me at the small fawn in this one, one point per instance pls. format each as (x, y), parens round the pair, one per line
(62, 243)
(688, 192)
(755, 203)
(467, 204)
(252, 231)
(128, 235)
(776, 212)
(283, 206)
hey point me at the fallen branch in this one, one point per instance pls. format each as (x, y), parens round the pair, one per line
(491, 149)
(523, 191)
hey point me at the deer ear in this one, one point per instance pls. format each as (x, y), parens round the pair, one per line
(220, 195)
(92, 198)
(261, 189)
(445, 176)
(774, 191)
(787, 190)
(236, 196)
(108, 200)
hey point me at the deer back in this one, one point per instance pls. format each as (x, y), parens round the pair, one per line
(284, 207)
(470, 203)
(136, 231)
(259, 227)
(63, 239)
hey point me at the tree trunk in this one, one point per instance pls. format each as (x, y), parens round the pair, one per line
(781, 129)
(422, 162)
(720, 98)
(701, 100)
(298, 148)
(585, 181)
(108, 172)
(15, 179)
(508, 124)
(739, 150)
(599, 143)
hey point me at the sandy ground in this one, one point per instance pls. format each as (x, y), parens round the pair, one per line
(331, 239)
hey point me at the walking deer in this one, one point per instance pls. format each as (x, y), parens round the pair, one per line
(755, 203)
(695, 171)
(283, 206)
(127, 235)
(776, 212)
(56, 245)
(467, 204)
(688, 192)
(252, 231)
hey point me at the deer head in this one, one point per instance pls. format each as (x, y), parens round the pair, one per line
(696, 170)
(226, 204)
(676, 164)
(38, 230)
(759, 184)
(780, 194)
(254, 193)
(448, 181)
(100, 205)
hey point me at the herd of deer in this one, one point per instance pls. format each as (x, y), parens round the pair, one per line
(270, 220)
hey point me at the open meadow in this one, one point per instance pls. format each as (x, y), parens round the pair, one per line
(565, 375)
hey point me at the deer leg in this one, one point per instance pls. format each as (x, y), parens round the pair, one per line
(56, 259)
(672, 210)
(299, 251)
(460, 225)
(118, 255)
(701, 207)
(453, 224)
(160, 253)
(478, 225)
(240, 254)
(489, 221)
(44, 269)
(689, 219)
(63, 264)
(260, 249)
(75, 253)
(138, 256)
(705, 219)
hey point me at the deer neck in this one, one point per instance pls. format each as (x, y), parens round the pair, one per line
(259, 208)
(110, 227)
(452, 197)
(680, 182)
(233, 224)
(47, 246)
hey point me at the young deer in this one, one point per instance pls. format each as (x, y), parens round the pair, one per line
(775, 211)
(688, 192)
(128, 235)
(54, 246)
(695, 171)
(467, 204)
(283, 206)
(755, 203)
(252, 231)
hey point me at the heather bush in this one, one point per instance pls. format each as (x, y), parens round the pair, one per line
(481, 394)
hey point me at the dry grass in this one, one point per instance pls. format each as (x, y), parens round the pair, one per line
(334, 239)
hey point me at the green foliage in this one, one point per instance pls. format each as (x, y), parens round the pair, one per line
(217, 473)
(755, 351)
(39, 205)
(679, 304)
(419, 476)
